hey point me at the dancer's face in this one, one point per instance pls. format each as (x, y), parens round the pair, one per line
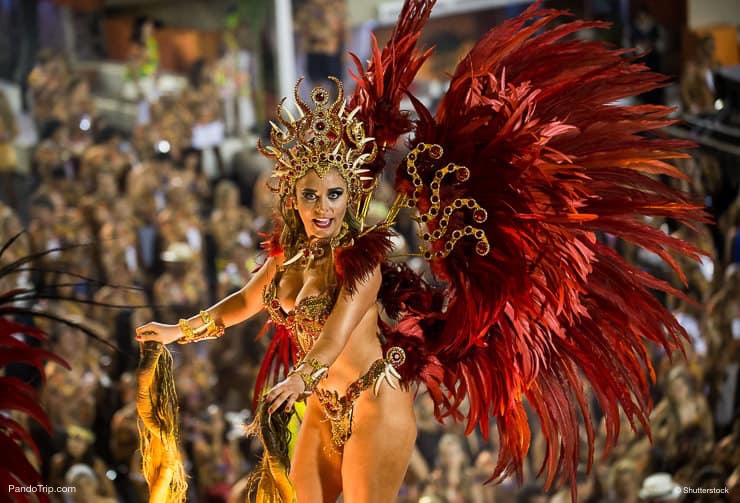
(321, 203)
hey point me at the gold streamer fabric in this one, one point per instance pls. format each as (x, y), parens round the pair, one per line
(156, 404)
(269, 483)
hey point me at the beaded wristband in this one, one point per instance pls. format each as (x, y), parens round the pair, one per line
(206, 317)
(310, 379)
(209, 330)
(186, 329)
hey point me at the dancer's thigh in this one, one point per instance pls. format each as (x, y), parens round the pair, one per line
(377, 454)
(316, 465)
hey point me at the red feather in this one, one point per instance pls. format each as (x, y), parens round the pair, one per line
(277, 362)
(387, 78)
(553, 161)
(357, 261)
(272, 245)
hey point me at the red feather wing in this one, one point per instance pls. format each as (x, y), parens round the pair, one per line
(551, 160)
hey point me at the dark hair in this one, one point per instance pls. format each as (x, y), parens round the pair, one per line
(188, 151)
(162, 156)
(528, 492)
(42, 201)
(195, 75)
(105, 134)
(74, 82)
(49, 128)
(138, 30)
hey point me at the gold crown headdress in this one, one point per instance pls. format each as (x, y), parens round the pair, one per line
(325, 136)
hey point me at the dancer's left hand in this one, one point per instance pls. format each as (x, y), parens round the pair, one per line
(286, 392)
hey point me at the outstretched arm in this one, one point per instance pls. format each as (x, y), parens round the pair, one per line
(348, 312)
(234, 309)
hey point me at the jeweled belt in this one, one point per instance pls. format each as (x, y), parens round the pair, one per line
(339, 410)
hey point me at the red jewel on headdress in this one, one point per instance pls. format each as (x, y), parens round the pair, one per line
(319, 96)
(435, 151)
(319, 126)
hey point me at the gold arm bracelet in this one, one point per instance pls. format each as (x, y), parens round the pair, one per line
(186, 329)
(206, 317)
(209, 330)
(310, 379)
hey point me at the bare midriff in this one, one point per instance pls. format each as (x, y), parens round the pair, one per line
(355, 367)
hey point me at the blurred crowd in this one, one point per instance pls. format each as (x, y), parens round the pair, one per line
(163, 236)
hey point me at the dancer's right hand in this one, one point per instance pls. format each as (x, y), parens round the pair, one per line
(158, 332)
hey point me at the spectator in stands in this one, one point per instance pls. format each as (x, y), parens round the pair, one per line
(47, 83)
(659, 487)
(8, 160)
(682, 424)
(322, 26)
(697, 82)
(78, 450)
(86, 484)
(532, 493)
(230, 222)
(649, 38)
(181, 288)
(624, 483)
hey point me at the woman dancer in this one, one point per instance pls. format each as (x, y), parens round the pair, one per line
(364, 448)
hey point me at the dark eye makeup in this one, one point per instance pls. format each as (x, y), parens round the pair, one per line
(312, 195)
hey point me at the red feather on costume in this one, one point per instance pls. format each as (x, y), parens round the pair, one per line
(279, 358)
(553, 161)
(356, 262)
(272, 245)
(381, 87)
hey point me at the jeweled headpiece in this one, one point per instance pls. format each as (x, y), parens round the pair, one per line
(325, 136)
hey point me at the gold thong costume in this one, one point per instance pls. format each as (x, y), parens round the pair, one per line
(305, 323)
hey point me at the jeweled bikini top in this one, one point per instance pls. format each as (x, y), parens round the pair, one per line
(306, 320)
